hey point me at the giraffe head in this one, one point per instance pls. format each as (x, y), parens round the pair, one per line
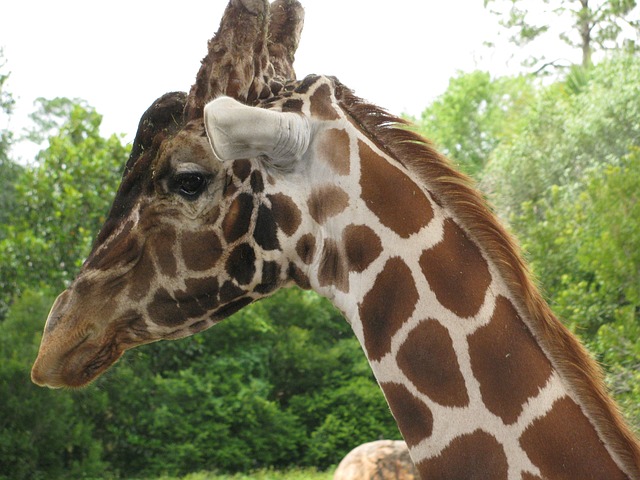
(186, 242)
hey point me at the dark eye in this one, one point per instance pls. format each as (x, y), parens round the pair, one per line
(189, 185)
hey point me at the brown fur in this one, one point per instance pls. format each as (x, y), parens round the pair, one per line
(456, 192)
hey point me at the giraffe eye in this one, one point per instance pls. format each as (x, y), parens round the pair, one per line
(189, 185)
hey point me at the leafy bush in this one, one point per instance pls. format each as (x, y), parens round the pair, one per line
(43, 433)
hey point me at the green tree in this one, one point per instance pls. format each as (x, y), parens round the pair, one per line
(570, 128)
(9, 170)
(43, 433)
(282, 383)
(595, 24)
(474, 115)
(584, 246)
(62, 200)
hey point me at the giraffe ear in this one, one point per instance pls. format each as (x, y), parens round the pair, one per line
(238, 131)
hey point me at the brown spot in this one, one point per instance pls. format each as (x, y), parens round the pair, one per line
(293, 105)
(564, 445)
(189, 306)
(429, 361)
(236, 221)
(200, 250)
(231, 308)
(199, 326)
(242, 169)
(475, 455)
(164, 310)
(306, 248)
(165, 246)
(265, 231)
(257, 184)
(413, 417)
(308, 81)
(326, 202)
(121, 249)
(299, 277)
(333, 147)
(332, 270)
(286, 213)
(230, 291)
(241, 264)
(321, 104)
(270, 278)
(362, 246)
(142, 275)
(205, 290)
(391, 195)
(388, 304)
(456, 271)
(507, 361)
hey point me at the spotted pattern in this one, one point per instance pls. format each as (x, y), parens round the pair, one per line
(285, 212)
(554, 450)
(321, 104)
(507, 362)
(237, 221)
(333, 147)
(266, 230)
(429, 361)
(388, 304)
(165, 310)
(326, 202)
(306, 248)
(385, 188)
(333, 269)
(164, 245)
(413, 417)
(475, 455)
(122, 248)
(141, 278)
(456, 271)
(242, 169)
(362, 245)
(241, 263)
(200, 250)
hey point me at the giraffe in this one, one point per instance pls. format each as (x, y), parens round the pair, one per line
(256, 181)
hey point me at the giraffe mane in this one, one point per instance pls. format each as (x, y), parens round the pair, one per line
(456, 191)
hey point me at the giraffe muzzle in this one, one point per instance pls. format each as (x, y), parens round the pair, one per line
(72, 352)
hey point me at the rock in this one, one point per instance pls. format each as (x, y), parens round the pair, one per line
(380, 460)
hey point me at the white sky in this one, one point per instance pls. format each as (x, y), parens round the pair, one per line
(121, 55)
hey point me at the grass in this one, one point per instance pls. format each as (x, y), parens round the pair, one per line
(294, 474)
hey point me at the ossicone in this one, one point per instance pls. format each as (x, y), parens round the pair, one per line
(237, 131)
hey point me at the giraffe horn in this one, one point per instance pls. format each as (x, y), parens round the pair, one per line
(238, 131)
(235, 53)
(285, 27)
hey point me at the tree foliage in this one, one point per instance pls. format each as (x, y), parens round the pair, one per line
(569, 128)
(474, 115)
(9, 170)
(43, 434)
(594, 24)
(59, 202)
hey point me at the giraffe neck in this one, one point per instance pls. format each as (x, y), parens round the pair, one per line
(451, 338)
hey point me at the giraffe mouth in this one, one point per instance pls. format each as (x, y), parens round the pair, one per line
(76, 368)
